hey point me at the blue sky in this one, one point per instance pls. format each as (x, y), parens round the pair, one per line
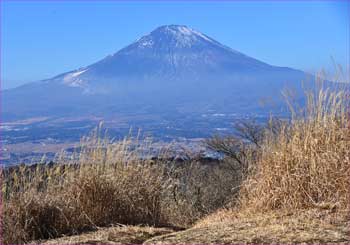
(42, 39)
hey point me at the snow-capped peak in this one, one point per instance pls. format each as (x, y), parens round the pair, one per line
(186, 31)
(183, 34)
(180, 35)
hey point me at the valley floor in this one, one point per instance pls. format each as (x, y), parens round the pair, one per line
(227, 227)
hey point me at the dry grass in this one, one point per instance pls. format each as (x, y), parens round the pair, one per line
(296, 185)
(112, 235)
(272, 227)
(109, 183)
(307, 162)
(298, 189)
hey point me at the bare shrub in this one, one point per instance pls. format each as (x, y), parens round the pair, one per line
(196, 189)
(240, 152)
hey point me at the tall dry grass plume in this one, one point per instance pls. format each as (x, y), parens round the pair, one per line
(306, 162)
(105, 183)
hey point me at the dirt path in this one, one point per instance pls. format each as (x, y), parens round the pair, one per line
(226, 228)
(112, 235)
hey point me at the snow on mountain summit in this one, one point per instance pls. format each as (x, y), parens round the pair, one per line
(168, 53)
(184, 35)
(179, 35)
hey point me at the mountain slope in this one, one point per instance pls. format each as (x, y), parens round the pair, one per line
(172, 69)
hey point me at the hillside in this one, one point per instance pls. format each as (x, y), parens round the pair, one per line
(318, 226)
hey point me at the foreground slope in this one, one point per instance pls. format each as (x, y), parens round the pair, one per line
(317, 226)
(270, 228)
(312, 226)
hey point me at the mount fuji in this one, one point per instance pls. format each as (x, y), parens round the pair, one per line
(174, 70)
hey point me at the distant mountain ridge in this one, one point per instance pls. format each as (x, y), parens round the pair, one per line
(172, 69)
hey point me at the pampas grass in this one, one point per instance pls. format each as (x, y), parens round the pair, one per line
(307, 162)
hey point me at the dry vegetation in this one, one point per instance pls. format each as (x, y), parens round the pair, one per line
(108, 183)
(112, 235)
(296, 183)
(306, 163)
(276, 184)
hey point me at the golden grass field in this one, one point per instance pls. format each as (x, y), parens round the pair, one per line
(286, 182)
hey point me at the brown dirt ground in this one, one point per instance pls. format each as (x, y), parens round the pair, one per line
(316, 226)
(228, 227)
(111, 235)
